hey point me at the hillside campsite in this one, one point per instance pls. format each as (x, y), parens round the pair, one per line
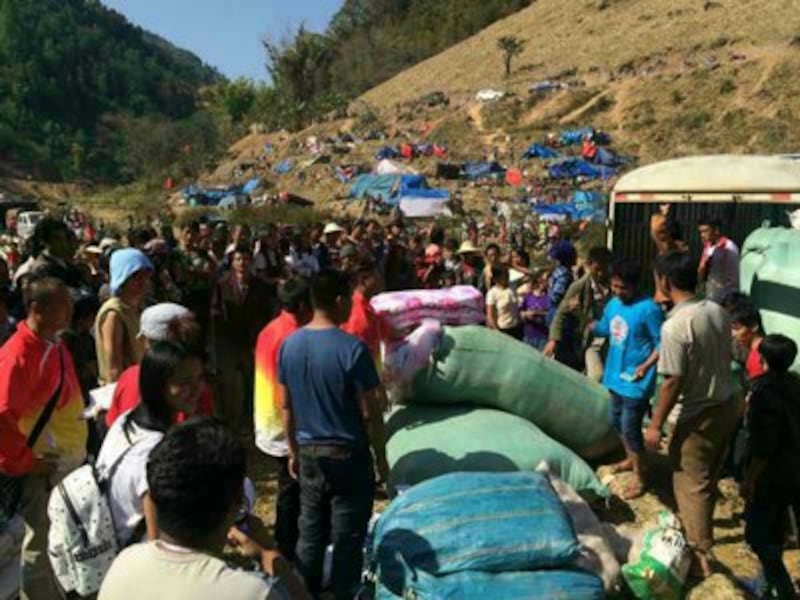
(436, 299)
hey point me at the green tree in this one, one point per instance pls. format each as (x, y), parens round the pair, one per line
(511, 47)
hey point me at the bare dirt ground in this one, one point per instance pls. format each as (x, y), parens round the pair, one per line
(738, 568)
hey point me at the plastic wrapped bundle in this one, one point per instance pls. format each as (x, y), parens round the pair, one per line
(402, 311)
(428, 441)
(485, 368)
(406, 358)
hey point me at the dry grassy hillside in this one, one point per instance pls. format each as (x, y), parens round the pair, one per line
(565, 36)
(667, 78)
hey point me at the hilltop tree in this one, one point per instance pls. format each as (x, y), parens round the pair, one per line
(511, 46)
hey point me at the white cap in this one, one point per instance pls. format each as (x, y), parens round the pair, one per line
(155, 320)
(332, 228)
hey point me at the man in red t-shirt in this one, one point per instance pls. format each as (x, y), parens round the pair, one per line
(35, 365)
(296, 301)
(363, 322)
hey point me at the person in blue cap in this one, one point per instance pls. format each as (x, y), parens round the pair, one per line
(117, 323)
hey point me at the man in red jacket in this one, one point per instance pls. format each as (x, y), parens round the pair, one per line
(33, 364)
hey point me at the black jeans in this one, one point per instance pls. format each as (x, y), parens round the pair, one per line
(287, 510)
(337, 488)
(766, 519)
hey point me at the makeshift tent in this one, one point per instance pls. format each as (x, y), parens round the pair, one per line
(448, 171)
(482, 170)
(573, 168)
(423, 208)
(585, 205)
(540, 151)
(294, 200)
(283, 167)
(514, 177)
(573, 137)
(489, 95)
(345, 173)
(233, 201)
(391, 188)
(607, 158)
(251, 186)
(388, 167)
(375, 186)
(386, 152)
(547, 86)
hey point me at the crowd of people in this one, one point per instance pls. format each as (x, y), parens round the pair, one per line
(196, 332)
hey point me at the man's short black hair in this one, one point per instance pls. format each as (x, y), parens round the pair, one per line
(746, 313)
(710, 220)
(42, 291)
(195, 476)
(778, 351)
(492, 246)
(327, 286)
(680, 270)
(500, 272)
(44, 233)
(295, 294)
(732, 300)
(600, 255)
(629, 271)
(243, 249)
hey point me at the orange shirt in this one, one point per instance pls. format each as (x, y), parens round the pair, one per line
(268, 423)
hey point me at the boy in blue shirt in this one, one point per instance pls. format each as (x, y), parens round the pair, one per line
(632, 324)
(332, 410)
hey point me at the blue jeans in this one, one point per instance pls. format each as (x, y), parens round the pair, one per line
(627, 415)
(337, 487)
(765, 531)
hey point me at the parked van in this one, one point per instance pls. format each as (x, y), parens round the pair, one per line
(744, 192)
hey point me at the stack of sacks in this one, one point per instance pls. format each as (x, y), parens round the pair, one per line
(428, 441)
(402, 311)
(482, 368)
(479, 535)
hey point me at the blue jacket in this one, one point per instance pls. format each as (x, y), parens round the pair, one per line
(633, 331)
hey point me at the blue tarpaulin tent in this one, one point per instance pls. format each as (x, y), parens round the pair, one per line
(251, 186)
(574, 168)
(386, 152)
(608, 158)
(482, 170)
(391, 189)
(283, 167)
(584, 205)
(540, 151)
(572, 137)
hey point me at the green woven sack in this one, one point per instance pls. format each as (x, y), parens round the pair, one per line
(428, 441)
(484, 368)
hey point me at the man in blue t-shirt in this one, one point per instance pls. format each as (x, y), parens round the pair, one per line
(632, 324)
(332, 402)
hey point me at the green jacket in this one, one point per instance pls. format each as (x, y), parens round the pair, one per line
(584, 314)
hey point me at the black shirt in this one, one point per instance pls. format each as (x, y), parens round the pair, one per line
(773, 426)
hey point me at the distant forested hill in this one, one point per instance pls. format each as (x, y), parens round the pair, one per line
(373, 40)
(70, 70)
